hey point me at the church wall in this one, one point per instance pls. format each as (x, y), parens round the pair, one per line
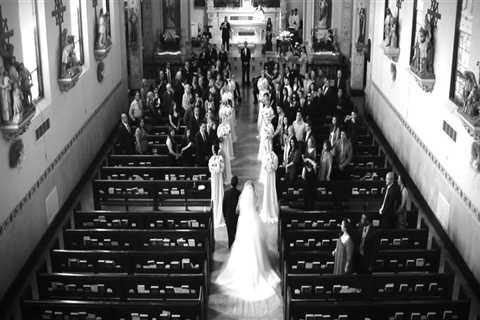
(80, 121)
(412, 121)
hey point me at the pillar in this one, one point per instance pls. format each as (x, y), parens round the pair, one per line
(358, 58)
(135, 50)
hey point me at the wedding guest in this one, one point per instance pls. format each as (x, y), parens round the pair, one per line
(245, 57)
(226, 30)
(293, 161)
(343, 154)
(187, 148)
(367, 246)
(187, 99)
(174, 117)
(136, 109)
(202, 149)
(125, 139)
(193, 120)
(230, 201)
(168, 98)
(391, 201)
(309, 173)
(326, 162)
(299, 127)
(352, 126)
(141, 145)
(343, 253)
(223, 56)
(405, 206)
(172, 147)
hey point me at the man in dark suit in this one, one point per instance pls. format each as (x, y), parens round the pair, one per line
(193, 119)
(202, 146)
(225, 28)
(230, 200)
(340, 82)
(245, 56)
(366, 239)
(391, 201)
(167, 99)
(125, 136)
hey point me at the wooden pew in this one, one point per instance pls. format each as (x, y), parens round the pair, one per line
(111, 310)
(139, 160)
(154, 173)
(395, 310)
(130, 193)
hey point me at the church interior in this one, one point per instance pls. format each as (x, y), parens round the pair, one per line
(129, 128)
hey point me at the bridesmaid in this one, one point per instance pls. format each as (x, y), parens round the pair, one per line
(343, 253)
(216, 166)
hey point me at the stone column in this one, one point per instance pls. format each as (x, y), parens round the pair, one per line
(135, 50)
(149, 35)
(308, 16)
(283, 14)
(358, 57)
(185, 40)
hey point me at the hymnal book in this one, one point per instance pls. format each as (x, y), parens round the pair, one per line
(420, 262)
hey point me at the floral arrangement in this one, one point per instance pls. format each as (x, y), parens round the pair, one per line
(270, 161)
(226, 96)
(223, 130)
(225, 112)
(267, 130)
(285, 34)
(216, 164)
(267, 114)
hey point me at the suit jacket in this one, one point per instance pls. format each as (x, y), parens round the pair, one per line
(125, 139)
(230, 201)
(202, 149)
(369, 246)
(245, 55)
(391, 202)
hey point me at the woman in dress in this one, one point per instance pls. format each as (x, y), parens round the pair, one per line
(293, 161)
(248, 283)
(217, 167)
(270, 208)
(326, 161)
(343, 253)
(141, 145)
(174, 117)
(225, 137)
(334, 131)
(188, 147)
(266, 135)
(405, 206)
(172, 147)
(309, 173)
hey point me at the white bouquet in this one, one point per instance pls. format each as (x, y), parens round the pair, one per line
(267, 113)
(270, 161)
(227, 95)
(225, 112)
(216, 164)
(267, 130)
(223, 130)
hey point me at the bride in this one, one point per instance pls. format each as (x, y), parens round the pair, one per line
(248, 283)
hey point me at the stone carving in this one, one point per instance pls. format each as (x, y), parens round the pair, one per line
(69, 66)
(391, 33)
(421, 64)
(476, 155)
(16, 105)
(469, 112)
(132, 28)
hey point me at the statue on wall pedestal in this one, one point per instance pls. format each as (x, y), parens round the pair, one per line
(362, 29)
(471, 96)
(324, 14)
(390, 34)
(70, 67)
(16, 105)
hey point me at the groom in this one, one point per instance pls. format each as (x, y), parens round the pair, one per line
(230, 200)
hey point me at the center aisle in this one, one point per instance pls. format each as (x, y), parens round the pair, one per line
(245, 166)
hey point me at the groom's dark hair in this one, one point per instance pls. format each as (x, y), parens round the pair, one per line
(234, 181)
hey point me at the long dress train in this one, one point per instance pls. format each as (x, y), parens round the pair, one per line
(248, 283)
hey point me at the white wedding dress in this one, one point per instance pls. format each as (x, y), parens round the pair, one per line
(248, 283)
(270, 208)
(217, 167)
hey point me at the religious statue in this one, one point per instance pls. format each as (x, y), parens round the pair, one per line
(387, 24)
(391, 39)
(268, 35)
(70, 65)
(362, 24)
(422, 61)
(471, 96)
(17, 104)
(324, 14)
(132, 23)
(5, 94)
(102, 30)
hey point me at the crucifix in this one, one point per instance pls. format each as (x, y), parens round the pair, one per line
(60, 9)
(433, 14)
(398, 4)
(5, 35)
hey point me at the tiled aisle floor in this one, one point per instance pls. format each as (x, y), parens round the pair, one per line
(245, 166)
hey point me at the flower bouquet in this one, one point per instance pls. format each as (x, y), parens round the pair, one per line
(270, 161)
(216, 164)
(268, 114)
(225, 112)
(223, 130)
(267, 130)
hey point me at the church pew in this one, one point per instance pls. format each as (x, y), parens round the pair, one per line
(154, 173)
(162, 129)
(128, 239)
(393, 261)
(307, 239)
(394, 310)
(84, 286)
(369, 287)
(139, 160)
(130, 193)
(112, 310)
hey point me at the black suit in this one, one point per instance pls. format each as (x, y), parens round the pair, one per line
(201, 150)
(125, 139)
(366, 248)
(391, 202)
(230, 200)
(245, 56)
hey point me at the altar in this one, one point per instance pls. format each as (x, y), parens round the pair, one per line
(247, 23)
